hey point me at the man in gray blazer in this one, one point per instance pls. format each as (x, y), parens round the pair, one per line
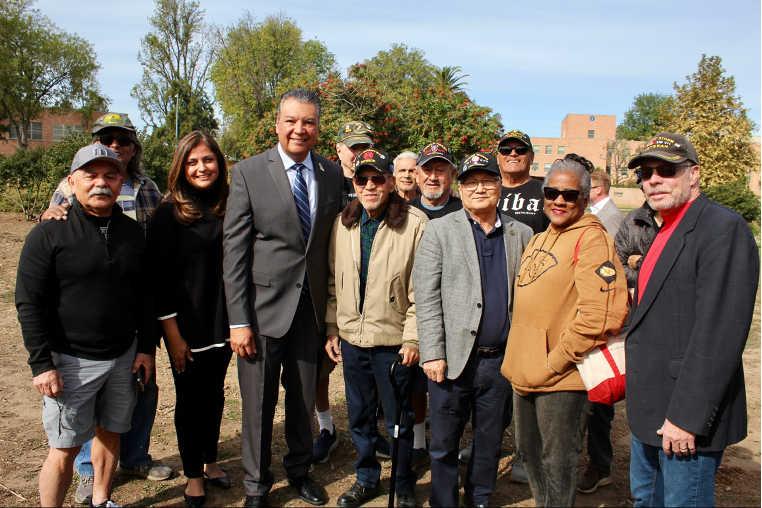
(601, 204)
(463, 323)
(279, 215)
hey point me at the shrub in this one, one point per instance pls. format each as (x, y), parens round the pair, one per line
(737, 196)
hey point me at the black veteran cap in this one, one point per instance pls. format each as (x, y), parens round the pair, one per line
(518, 136)
(668, 147)
(435, 150)
(375, 159)
(355, 133)
(479, 160)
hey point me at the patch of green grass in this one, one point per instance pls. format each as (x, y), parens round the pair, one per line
(8, 297)
(755, 228)
(339, 400)
(232, 413)
(225, 454)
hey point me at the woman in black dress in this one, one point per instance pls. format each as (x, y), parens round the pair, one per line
(185, 243)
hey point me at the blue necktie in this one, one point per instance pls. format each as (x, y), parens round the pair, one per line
(302, 199)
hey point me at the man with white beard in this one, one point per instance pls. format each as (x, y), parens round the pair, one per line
(436, 173)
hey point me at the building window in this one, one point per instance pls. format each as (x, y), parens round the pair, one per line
(535, 166)
(547, 166)
(548, 149)
(561, 150)
(590, 134)
(60, 130)
(33, 132)
(536, 148)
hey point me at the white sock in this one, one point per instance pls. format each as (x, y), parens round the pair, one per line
(419, 432)
(325, 420)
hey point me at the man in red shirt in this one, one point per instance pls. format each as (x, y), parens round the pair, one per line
(686, 398)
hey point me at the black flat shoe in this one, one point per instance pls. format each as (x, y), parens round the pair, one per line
(221, 481)
(194, 501)
(309, 491)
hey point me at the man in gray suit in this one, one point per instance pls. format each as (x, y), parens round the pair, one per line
(602, 206)
(279, 215)
(463, 323)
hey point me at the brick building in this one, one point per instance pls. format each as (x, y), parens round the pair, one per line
(49, 129)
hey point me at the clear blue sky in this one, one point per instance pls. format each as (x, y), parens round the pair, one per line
(532, 62)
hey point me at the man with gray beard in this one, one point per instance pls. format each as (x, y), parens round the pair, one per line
(436, 172)
(691, 315)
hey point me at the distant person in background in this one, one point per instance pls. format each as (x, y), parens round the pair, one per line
(602, 205)
(138, 198)
(185, 247)
(406, 175)
(86, 316)
(436, 172)
(352, 138)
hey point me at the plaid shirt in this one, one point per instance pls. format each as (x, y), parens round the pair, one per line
(368, 229)
(146, 193)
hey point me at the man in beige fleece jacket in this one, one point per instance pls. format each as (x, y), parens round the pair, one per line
(370, 317)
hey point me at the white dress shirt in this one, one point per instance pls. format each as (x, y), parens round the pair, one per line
(594, 209)
(309, 178)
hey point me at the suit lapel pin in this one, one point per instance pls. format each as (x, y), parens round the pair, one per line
(321, 167)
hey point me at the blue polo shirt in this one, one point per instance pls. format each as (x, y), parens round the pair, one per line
(490, 249)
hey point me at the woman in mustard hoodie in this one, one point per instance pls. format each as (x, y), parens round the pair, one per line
(570, 292)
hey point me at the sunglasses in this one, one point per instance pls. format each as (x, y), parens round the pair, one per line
(570, 195)
(108, 140)
(663, 171)
(520, 150)
(377, 180)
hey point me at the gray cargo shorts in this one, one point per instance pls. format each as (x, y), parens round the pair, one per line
(95, 392)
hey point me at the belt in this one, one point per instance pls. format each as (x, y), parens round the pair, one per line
(490, 352)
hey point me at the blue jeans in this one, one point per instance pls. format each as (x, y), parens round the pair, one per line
(366, 374)
(133, 450)
(658, 479)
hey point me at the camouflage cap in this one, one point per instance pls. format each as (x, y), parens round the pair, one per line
(355, 133)
(116, 120)
(518, 136)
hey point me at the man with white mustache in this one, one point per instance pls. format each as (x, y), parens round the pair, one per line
(436, 172)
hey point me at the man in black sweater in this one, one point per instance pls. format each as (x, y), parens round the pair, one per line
(86, 319)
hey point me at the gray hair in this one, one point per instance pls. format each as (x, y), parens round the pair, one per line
(571, 166)
(303, 96)
(405, 155)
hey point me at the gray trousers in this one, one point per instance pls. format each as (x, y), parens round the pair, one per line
(297, 353)
(550, 428)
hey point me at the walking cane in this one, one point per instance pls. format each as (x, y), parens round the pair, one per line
(396, 436)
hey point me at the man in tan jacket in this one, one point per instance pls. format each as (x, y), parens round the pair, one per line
(370, 317)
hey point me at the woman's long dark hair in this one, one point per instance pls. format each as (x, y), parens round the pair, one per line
(179, 191)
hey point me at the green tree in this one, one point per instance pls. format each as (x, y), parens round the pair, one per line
(447, 79)
(175, 56)
(737, 196)
(157, 157)
(646, 117)
(254, 63)
(25, 181)
(42, 67)
(709, 113)
(192, 109)
(618, 154)
(397, 71)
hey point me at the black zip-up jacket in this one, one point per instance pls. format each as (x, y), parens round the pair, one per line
(82, 293)
(635, 235)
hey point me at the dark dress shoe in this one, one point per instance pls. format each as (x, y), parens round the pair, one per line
(405, 501)
(357, 495)
(309, 491)
(221, 481)
(194, 501)
(255, 501)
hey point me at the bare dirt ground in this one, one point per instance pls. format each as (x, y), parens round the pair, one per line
(23, 445)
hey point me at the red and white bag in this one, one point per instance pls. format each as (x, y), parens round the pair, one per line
(603, 367)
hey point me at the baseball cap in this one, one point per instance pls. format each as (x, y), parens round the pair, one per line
(666, 146)
(435, 150)
(479, 160)
(355, 133)
(118, 120)
(95, 152)
(518, 136)
(376, 159)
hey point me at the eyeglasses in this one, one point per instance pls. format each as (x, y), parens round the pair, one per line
(488, 184)
(377, 180)
(108, 140)
(520, 150)
(667, 171)
(569, 195)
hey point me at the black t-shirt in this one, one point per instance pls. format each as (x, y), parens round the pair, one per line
(453, 204)
(348, 193)
(525, 203)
